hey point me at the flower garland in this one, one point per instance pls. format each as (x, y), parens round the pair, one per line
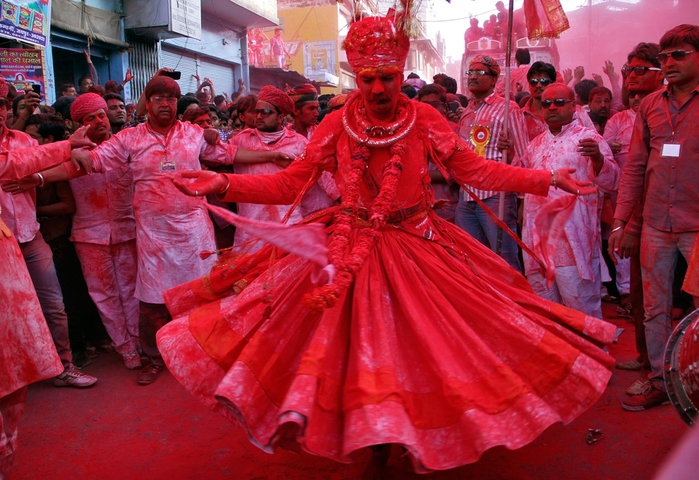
(348, 262)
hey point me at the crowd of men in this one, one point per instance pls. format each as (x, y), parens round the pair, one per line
(101, 249)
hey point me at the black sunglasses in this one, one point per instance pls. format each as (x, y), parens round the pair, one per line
(264, 112)
(638, 70)
(543, 81)
(677, 55)
(559, 102)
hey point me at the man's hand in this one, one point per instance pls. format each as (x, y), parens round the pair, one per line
(615, 146)
(31, 102)
(211, 136)
(282, 160)
(79, 139)
(504, 143)
(589, 147)
(608, 70)
(128, 77)
(82, 159)
(205, 182)
(562, 179)
(598, 79)
(18, 186)
(622, 245)
(567, 76)
(578, 73)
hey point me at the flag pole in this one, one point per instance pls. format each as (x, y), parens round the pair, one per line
(506, 115)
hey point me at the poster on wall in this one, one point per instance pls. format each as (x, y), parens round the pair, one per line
(23, 68)
(318, 59)
(26, 21)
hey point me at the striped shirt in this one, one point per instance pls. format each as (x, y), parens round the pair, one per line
(490, 113)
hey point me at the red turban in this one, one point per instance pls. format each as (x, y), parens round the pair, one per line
(276, 97)
(489, 62)
(4, 89)
(303, 93)
(162, 85)
(86, 104)
(376, 42)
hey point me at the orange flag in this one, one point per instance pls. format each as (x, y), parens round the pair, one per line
(545, 18)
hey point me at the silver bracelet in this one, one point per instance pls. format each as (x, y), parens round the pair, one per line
(616, 229)
(41, 177)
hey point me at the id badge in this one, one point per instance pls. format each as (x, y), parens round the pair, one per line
(671, 150)
(167, 166)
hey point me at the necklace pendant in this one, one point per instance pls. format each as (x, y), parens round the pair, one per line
(377, 131)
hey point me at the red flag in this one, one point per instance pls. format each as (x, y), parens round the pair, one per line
(545, 18)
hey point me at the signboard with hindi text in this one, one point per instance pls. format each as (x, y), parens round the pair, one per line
(185, 18)
(26, 21)
(23, 67)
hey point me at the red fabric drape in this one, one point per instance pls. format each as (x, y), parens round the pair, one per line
(545, 18)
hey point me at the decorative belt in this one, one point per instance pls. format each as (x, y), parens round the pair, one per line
(396, 216)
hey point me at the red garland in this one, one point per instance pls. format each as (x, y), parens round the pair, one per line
(347, 264)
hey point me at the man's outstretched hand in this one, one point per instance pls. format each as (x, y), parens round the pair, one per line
(199, 183)
(562, 179)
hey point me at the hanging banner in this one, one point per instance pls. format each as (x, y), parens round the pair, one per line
(26, 21)
(23, 68)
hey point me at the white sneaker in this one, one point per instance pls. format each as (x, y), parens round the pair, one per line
(72, 377)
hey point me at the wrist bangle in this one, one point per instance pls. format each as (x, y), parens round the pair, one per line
(553, 179)
(41, 180)
(616, 229)
(228, 184)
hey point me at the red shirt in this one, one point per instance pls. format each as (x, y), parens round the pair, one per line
(671, 183)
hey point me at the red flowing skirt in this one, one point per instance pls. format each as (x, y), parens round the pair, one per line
(438, 346)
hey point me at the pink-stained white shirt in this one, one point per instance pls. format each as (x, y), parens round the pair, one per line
(171, 228)
(250, 139)
(582, 231)
(323, 193)
(619, 128)
(490, 113)
(18, 211)
(103, 208)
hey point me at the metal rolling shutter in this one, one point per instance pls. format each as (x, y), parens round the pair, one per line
(222, 74)
(182, 61)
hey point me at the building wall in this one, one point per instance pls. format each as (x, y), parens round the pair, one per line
(311, 37)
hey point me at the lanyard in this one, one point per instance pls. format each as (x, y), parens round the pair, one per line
(679, 118)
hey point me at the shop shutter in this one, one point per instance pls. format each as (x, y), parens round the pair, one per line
(221, 74)
(182, 61)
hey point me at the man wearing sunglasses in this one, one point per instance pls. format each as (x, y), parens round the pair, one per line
(272, 107)
(642, 76)
(662, 172)
(568, 144)
(480, 127)
(540, 76)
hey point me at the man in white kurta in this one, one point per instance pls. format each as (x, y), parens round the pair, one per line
(171, 231)
(577, 251)
(269, 135)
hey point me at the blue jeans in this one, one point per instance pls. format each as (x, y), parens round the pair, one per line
(659, 254)
(477, 223)
(39, 259)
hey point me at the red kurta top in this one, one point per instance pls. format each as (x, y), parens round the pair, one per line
(27, 353)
